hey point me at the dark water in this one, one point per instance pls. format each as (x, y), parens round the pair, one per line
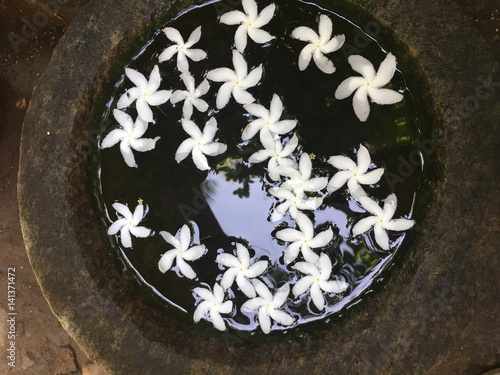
(231, 203)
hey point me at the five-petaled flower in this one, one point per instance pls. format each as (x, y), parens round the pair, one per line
(181, 252)
(300, 179)
(183, 49)
(236, 82)
(268, 121)
(381, 221)
(213, 305)
(303, 240)
(250, 23)
(369, 85)
(275, 152)
(191, 96)
(129, 137)
(145, 93)
(353, 174)
(292, 202)
(268, 305)
(128, 223)
(239, 269)
(317, 279)
(200, 144)
(318, 45)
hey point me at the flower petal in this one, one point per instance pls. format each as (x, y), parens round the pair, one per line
(385, 71)
(195, 54)
(348, 86)
(259, 36)
(194, 37)
(265, 16)
(321, 239)
(371, 206)
(127, 154)
(306, 268)
(242, 96)
(334, 286)
(159, 97)
(185, 268)
(290, 235)
(364, 159)
(303, 285)
(305, 34)
(201, 310)
(338, 180)
(362, 66)
(184, 237)
(128, 97)
(334, 44)
(264, 321)
(252, 78)
(224, 94)
(173, 35)
(245, 286)
(141, 232)
(316, 184)
(305, 56)
(221, 75)
(283, 127)
(233, 17)
(125, 238)
(144, 144)
(184, 149)
(205, 294)
(166, 260)
(200, 160)
(228, 278)
(113, 137)
(317, 296)
(360, 104)
(292, 252)
(325, 28)
(136, 78)
(323, 62)
(240, 65)
(364, 225)
(240, 38)
(399, 224)
(213, 149)
(256, 269)
(384, 96)
(250, 8)
(281, 317)
(253, 304)
(381, 236)
(116, 226)
(143, 110)
(306, 226)
(168, 53)
(371, 177)
(217, 320)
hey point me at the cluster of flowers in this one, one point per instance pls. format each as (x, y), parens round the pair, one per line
(298, 191)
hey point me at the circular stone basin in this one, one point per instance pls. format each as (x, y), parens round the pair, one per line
(75, 263)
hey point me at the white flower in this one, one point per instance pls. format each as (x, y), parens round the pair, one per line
(146, 93)
(275, 152)
(268, 305)
(250, 23)
(318, 280)
(200, 144)
(214, 305)
(129, 137)
(303, 240)
(300, 179)
(369, 85)
(382, 220)
(318, 45)
(191, 96)
(181, 252)
(128, 223)
(293, 202)
(268, 120)
(236, 81)
(182, 49)
(239, 268)
(353, 174)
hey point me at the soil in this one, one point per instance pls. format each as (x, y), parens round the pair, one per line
(29, 31)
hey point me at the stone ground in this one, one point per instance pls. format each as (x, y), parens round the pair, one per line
(41, 345)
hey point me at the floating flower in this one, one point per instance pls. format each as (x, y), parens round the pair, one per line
(213, 305)
(382, 221)
(239, 269)
(191, 96)
(129, 137)
(300, 178)
(318, 45)
(250, 23)
(303, 240)
(268, 121)
(268, 305)
(128, 223)
(369, 85)
(236, 81)
(183, 50)
(353, 174)
(200, 144)
(275, 152)
(146, 93)
(293, 202)
(181, 252)
(317, 280)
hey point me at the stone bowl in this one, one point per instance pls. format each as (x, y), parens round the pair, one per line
(437, 313)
